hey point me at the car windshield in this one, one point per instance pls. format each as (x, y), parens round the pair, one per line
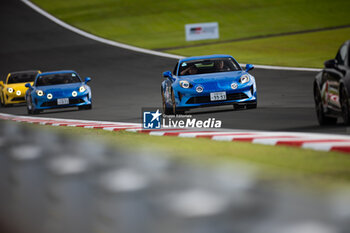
(21, 78)
(56, 79)
(205, 66)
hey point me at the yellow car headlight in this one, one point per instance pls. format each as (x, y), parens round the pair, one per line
(82, 89)
(18, 92)
(39, 92)
(10, 90)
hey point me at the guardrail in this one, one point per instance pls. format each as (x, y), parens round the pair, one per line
(53, 183)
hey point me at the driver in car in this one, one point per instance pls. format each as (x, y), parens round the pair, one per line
(220, 66)
(192, 69)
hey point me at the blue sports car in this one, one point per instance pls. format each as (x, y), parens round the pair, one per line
(58, 89)
(207, 81)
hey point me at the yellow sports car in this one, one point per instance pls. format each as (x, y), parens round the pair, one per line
(13, 90)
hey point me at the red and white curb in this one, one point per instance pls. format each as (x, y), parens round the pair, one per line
(321, 142)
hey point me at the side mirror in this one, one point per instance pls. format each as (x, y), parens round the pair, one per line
(332, 63)
(87, 79)
(167, 74)
(28, 85)
(1, 83)
(249, 67)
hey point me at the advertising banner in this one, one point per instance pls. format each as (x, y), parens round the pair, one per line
(202, 31)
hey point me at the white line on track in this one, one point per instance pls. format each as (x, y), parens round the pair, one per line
(138, 49)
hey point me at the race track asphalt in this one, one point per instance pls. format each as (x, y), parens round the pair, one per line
(124, 81)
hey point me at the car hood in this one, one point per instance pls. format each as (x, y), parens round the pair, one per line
(54, 88)
(214, 77)
(17, 86)
(215, 81)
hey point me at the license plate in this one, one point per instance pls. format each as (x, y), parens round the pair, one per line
(63, 101)
(216, 96)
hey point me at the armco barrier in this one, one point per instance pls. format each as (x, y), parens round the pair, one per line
(56, 184)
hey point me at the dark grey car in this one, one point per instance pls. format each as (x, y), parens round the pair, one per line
(332, 88)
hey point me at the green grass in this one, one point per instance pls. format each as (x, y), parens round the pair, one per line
(290, 162)
(160, 24)
(303, 50)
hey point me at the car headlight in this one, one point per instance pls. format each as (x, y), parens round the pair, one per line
(49, 96)
(82, 89)
(199, 89)
(74, 93)
(244, 79)
(10, 90)
(18, 92)
(184, 84)
(39, 92)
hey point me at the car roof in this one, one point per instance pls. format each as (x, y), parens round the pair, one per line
(57, 72)
(205, 57)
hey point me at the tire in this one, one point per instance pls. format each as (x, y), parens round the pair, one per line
(30, 109)
(322, 119)
(35, 111)
(166, 110)
(3, 104)
(2, 100)
(85, 107)
(29, 106)
(174, 109)
(344, 102)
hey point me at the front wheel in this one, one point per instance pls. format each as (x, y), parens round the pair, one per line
(322, 119)
(2, 100)
(166, 110)
(174, 108)
(344, 101)
(29, 106)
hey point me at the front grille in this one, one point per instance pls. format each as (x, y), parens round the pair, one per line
(76, 101)
(206, 99)
(49, 104)
(236, 96)
(18, 99)
(54, 102)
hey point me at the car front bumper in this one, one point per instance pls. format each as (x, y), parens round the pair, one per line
(192, 99)
(13, 98)
(44, 103)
